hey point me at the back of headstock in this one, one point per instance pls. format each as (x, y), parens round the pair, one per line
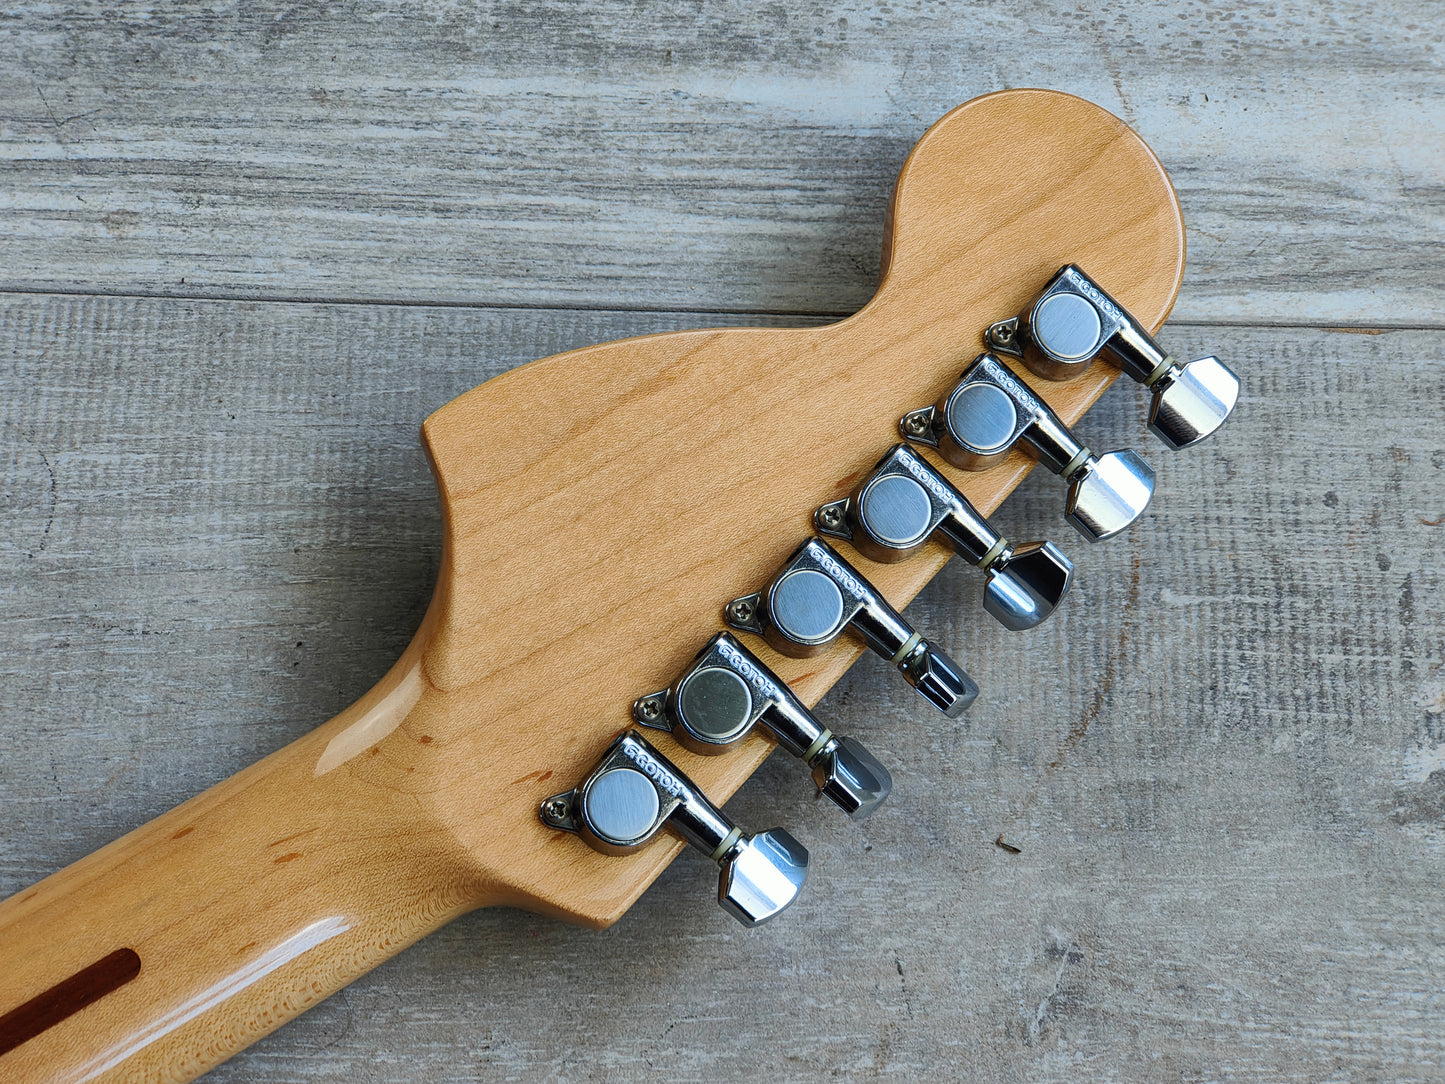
(600, 509)
(602, 506)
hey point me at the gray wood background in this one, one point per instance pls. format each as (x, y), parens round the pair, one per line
(245, 248)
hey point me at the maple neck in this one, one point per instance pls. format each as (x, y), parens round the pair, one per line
(167, 951)
(586, 556)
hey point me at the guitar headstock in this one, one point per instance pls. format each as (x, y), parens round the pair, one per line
(602, 506)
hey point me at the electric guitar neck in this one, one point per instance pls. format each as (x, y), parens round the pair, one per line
(546, 741)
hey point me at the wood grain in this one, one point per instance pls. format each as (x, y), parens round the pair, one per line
(723, 156)
(633, 494)
(1221, 774)
(587, 553)
(1216, 758)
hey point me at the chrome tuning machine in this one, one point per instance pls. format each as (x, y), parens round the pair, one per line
(817, 594)
(990, 410)
(634, 791)
(727, 690)
(903, 501)
(1073, 320)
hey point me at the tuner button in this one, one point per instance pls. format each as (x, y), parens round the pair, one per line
(1067, 327)
(1192, 401)
(851, 778)
(896, 510)
(1108, 493)
(761, 876)
(1024, 588)
(621, 806)
(807, 606)
(714, 704)
(939, 680)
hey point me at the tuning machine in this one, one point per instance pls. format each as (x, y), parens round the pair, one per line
(989, 410)
(817, 594)
(1073, 320)
(727, 690)
(635, 791)
(903, 501)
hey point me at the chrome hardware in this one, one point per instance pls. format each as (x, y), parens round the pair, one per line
(903, 502)
(635, 790)
(817, 594)
(726, 691)
(989, 410)
(1073, 320)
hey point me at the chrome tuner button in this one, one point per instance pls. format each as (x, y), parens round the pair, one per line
(1106, 493)
(816, 595)
(727, 690)
(851, 777)
(903, 502)
(634, 791)
(761, 876)
(1072, 320)
(1191, 401)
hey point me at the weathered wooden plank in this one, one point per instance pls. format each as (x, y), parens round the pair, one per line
(1221, 760)
(731, 157)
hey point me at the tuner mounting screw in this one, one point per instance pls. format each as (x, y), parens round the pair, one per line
(741, 611)
(555, 810)
(649, 707)
(830, 516)
(916, 424)
(1004, 336)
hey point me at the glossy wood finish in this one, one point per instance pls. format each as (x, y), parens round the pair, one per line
(599, 506)
(67, 997)
(679, 470)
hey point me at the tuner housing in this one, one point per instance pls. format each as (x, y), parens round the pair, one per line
(726, 691)
(635, 791)
(904, 501)
(1073, 320)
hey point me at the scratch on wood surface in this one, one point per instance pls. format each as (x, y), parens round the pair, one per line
(1108, 677)
(1068, 953)
(294, 835)
(1128, 617)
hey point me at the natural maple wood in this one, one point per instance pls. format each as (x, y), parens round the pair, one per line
(599, 507)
